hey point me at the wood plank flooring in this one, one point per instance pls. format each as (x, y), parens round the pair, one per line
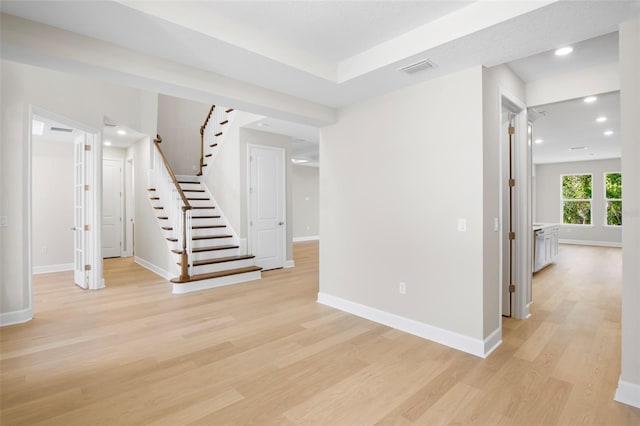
(266, 353)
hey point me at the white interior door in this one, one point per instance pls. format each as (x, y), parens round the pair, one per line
(81, 275)
(267, 206)
(111, 208)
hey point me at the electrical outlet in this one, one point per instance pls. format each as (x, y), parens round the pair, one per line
(402, 288)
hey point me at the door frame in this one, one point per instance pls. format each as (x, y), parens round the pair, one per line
(122, 198)
(94, 136)
(250, 239)
(522, 206)
(129, 207)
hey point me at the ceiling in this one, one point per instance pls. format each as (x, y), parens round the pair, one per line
(335, 53)
(109, 133)
(572, 124)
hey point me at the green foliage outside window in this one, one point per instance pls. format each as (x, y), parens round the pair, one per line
(613, 195)
(576, 197)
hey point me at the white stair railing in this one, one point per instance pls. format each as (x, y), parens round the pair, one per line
(176, 207)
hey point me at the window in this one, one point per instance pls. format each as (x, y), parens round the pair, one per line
(613, 198)
(576, 199)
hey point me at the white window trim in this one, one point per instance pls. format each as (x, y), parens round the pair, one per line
(562, 201)
(606, 200)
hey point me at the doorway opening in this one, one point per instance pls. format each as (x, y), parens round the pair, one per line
(515, 189)
(64, 207)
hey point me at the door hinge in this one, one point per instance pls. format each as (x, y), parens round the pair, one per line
(87, 227)
(512, 288)
(87, 267)
(512, 235)
(512, 130)
(86, 187)
(512, 183)
(87, 147)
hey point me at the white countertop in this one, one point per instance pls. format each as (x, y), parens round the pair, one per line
(538, 226)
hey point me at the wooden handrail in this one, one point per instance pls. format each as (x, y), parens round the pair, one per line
(204, 126)
(157, 141)
(184, 256)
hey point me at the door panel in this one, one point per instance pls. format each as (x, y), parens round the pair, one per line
(80, 275)
(111, 208)
(267, 206)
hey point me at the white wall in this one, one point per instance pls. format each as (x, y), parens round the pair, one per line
(393, 216)
(81, 99)
(52, 205)
(549, 206)
(223, 177)
(179, 122)
(629, 385)
(305, 191)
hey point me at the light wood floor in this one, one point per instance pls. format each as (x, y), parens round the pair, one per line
(266, 353)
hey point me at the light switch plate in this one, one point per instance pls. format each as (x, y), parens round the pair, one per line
(462, 225)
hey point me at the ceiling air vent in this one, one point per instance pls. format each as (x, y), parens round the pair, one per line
(418, 66)
(61, 129)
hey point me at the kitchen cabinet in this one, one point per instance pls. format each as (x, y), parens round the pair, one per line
(545, 245)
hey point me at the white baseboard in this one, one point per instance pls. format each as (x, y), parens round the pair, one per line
(445, 337)
(309, 238)
(16, 317)
(289, 264)
(628, 393)
(153, 268)
(590, 243)
(492, 342)
(63, 267)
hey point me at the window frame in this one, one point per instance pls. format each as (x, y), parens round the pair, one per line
(606, 200)
(562, 200)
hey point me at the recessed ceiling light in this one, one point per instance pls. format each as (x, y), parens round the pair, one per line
(261, 124)
(601, 119)
(299, 160)
(122, 132)
(577, 148)
(590, 99)
(591, 154)
(37, 128)
(564, 51)
(608, 132)
(539, 140)
(107, 143)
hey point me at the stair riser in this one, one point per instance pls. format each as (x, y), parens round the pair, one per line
(216, 267)
(216, 282)
(215, 253)
(201, 203)
(209, 231)
(190, 186)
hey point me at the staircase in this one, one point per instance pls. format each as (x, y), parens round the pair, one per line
(206, 248)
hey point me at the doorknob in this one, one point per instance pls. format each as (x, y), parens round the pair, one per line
(280, 223)
(73, 228)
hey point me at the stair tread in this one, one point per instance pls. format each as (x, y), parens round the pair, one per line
(208, 226)
(162, 217)
(202, 207)
(151, 189)
(154, 198)
(193, 190)
(206, 217)
(222, 123)
(218, 134)
(159, 208)
(229, 110)
(167, 228)
(198, 198)
(189, 181)
(220, 274)
(213, 145)
(211, 237)
(209, 155)
(221, 260)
